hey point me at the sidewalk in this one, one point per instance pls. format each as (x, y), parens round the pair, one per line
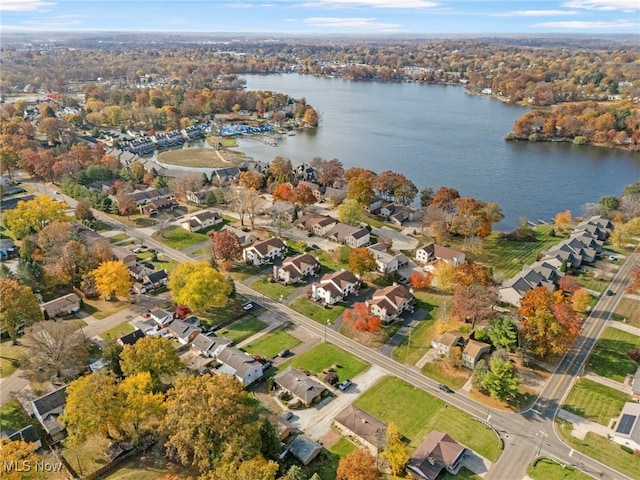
(582, 426)
(608, 382)
(625, 327)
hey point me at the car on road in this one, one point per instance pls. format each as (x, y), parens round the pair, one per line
(610, 293)
(344, 385)
(444, 388)
(314, 247)
(247, 306)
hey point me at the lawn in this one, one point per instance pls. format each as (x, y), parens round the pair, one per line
(315, 311)
(241, 271)
(417, 413)
(270, 344)
(194, 157)
(178, 238)
(628, 309)
(10, 357)
(242, 329)
(120, 237)
(442, 372)
(549, 470)
(118, 331)
(343, 447)
(595, 401)
(601, 449)
(588, 281)
(507, 258)
(220, 315)
(101, 308)
(609, 356)
(87, 457)
(463, 474)
(13, 417)
(325, 355)
(273, 290)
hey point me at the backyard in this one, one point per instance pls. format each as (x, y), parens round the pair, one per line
(13, 417)
(118, 331)
(100, 309)
(595, 402)
(324, 356)
(270, 344)
(417, 413)
(609, 356)
(10, 357)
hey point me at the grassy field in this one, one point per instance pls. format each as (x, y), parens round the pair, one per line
(601, 449)
(118, 331)
(441, 372)
(463, 474)
(325, 355)
(273, 290)
(102, 309)
(13, 417)
(316, 311)
(197, 157)
(609, 356)
(270, 344)
(588, 281)
(343, 447)
(628, 309)
(119, 237)
(10, 357)
(178, 238)
(417, 413)
(507, 258)
(86, 457)
(242, 329)
(595, 401)
(550, 470)
(218, 315)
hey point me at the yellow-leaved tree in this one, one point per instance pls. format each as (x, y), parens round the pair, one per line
(33, 215)
(156, 356)
(395, 451)
(199, 286)
(443, 273)
(18, 307)
(112, 278)
(14, 455)
(580, 300)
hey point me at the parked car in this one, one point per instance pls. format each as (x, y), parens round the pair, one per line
(247, 306)
(444, 388)
(314, 247)
(344, 385)
(284, 353)
(288, 415)
(613, 258)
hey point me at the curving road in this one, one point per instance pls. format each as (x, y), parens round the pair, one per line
(525, 433)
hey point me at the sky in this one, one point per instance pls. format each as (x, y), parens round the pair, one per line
(337, 17)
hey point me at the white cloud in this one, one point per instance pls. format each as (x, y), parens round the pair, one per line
(533, 13)
(577, 25)
(23, 5)
(624, 5)
(349, 22)
(399, 4)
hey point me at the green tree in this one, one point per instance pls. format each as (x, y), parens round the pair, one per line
(426, 196)
(503, 334)
(395, 451)
(257, 468)
(501, 380)
(350, 212)
(18, 307)
(199, 286)
(155, 355)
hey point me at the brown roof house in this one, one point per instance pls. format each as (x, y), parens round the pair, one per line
(473, 351)
(432, 252)
(437, 452)
(302, 387)
(444, 341)
(333, 287)
(388, 303)
(47, 409)
(296, 268)
(349, 235)
(362, 428)
(264, 252)
(242, 366)
(61, 306)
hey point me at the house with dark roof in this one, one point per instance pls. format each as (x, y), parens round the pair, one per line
(361, 428)
(304, 388)
(61, 306)
(628, 426)
(27, 434)
(202, 221)
(474, 351)
(226, 174)
(334, 287)
(266, 251)
(397, 213)
(131, 338)
(317, 224)
(158, 206)
(146, 196)
(388, 303)
(437, 452)
(387, 262)
(209, 345)
(514, 289)
(443, 342)
(47, 409)
(237, 363)
(157, 279)
(305, 449)
(296, 268)
(139, 270)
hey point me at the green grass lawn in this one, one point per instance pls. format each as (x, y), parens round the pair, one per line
(242, 329)
(417, 413)
(218, 315)
(315, 311)
(441, 372)
(100, 309)
(119, 237)
(628, 309)
(178, 238)
(595, 401)
(609, 356)
(13, 417)
(325, 355)
(271, 344)
(86, 457)
(507, 258)
(588, 281)
(549, 470)
(463, 474)
(273, 290)
(241, 271)
(601, 449)
(118, 331)
(343, 447)
(10, 357)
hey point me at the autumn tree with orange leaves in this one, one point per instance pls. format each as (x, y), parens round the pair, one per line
(474, 293)
(634, 284)
(284, 192)
(420, 281)
(360, 319)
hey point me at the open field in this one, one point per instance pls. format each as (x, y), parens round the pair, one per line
(417, 413)
(595, 401)
(271, 344)
(550, 470)
(609, 356)
(242, 329)
(507, 258)
(315, 311)
(274, 290)
(442, 372)
(178, 238)
(601, 449)
(628, 309)
(199, 158)
(325, 355)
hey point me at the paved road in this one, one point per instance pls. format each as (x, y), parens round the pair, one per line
(525, 433)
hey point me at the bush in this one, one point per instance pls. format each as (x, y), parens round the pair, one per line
(627, 449)
(331, 378)
(634, 354)
(580, 140)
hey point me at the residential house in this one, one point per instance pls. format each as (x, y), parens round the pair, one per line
(589, 240)
(202, 221)
(432, 252)
(280, 211)
(266, 251)
(139, 271)
(305, 449)
(361, 428)
(566, 253)
(627, 430)
(209, 345)
(387, 262)
(225, 175)
(350, 235)
(513, 289)
(317, 224)
(47, 409)
(388, 303)
(126, 256)
(245, 238)
(146, 196)
(473, 351)
(240, 365)
(156, 207)
(445, 341)
(397, 213)
(374, 206)
(161, 317)
(312, 186)
(333, 196)
(302, 387)
(131, 338)
(334, 287)
(27, 434)
(7, 248)
(198, 197)
(296, 268)
(183, 331)
(437, 452)
(635, 386)
(61, 306)
(157, 279)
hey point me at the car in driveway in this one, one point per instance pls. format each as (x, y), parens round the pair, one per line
(247, 306)
(344, 385)
(444, 388)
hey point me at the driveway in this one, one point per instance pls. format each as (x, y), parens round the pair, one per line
(400, 240)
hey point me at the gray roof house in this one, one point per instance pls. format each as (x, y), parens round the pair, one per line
(182, 331)
(304, 388)
(61, 306)
(628, 426)
(48, 408)
(387, 262)
(635, 386)
(28, 434)
(209, 345)
(305, 449)
(242, 366)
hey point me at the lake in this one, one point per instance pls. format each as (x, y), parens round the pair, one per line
(441, 136)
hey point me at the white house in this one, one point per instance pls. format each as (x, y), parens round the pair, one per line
(387, 262)
(628, 426)
(202, 221)
(333, 287)
(296, 268)
(388, 303)
(432, 252)
(244, 367)
(264, 252)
